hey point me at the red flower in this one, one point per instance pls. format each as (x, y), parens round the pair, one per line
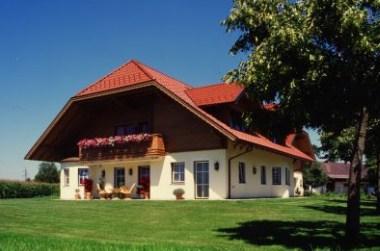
(111, 141)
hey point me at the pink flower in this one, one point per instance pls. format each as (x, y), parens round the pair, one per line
(111, 141)
(90, 143)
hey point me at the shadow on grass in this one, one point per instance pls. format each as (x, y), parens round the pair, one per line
(363, 202)
(306, 235)
(341, 210)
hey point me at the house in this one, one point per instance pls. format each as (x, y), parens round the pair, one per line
(338, 175)
(140, 126)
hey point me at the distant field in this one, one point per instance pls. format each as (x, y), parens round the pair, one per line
(271, 224)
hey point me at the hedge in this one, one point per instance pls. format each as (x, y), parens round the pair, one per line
(19, 189)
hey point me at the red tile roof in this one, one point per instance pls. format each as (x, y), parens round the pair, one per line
(266, 143)
(215, 94)
(135, 73)
(340, 170)
(127, 74)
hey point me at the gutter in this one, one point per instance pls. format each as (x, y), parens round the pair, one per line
(250, 149)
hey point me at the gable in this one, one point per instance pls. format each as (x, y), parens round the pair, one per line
(98, 117)
(133, 76)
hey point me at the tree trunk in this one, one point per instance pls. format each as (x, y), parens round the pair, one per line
(353, 200)
(377, 184)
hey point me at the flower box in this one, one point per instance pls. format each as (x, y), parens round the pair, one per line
(121, 147)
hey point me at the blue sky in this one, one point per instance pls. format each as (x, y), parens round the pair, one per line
(51, 49)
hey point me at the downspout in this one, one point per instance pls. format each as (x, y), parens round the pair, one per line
(229, 168)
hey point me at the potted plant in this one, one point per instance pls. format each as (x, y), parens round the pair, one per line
(77, 194)
(179, 192)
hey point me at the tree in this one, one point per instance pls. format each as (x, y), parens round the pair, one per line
(320, 61)
(314, 176)
(47, 172)
(339, 147)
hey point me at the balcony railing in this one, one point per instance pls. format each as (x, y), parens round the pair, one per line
(122, 147)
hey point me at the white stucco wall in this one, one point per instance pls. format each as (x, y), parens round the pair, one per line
(162, 188)
(340, 187)
(161, 177)
(253, 187)
(67, 192)
(298, 183)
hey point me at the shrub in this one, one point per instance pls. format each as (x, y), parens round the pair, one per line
(19, 189)
(179, 191)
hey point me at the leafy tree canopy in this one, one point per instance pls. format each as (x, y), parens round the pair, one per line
(47, 172)
(314, 176)
(318, 59)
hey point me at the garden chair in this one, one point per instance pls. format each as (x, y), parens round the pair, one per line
(126, 192)
(103, 193)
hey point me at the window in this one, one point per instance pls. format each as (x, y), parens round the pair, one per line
(125, 129)
(120, 130)
(119, 177)
(287, 176)
(241, 172)
(276, 175)
(66, 177)
(82, 175)
(134, 128)
(178, 172)
(263, 175)
(143, 127)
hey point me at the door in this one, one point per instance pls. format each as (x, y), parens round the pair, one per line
(201, 171)
(144, 181)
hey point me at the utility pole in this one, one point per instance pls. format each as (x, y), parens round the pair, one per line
(25, 174)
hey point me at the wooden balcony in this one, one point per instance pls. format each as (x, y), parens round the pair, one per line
(154, 147)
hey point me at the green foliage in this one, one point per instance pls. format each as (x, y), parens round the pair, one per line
(372, 176)
(18, 189)
(179, 191)
(47, 172)
(314, 176)
(318, 59)
(338, 146)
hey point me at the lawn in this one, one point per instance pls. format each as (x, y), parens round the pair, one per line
(271, 224)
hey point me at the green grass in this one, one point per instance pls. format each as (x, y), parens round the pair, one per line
(272, 224)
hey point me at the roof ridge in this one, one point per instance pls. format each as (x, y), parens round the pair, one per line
(138, 64)
(110, 73)
(160, 72)
(211, 85)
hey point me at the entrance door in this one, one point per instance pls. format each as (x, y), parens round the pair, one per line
(201, 179)
(144, 181)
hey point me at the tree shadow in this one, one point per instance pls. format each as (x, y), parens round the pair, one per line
(306, 235)
(341, 210)
(363, 202)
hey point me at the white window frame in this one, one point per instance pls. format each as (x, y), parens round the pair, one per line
(66, 177)
(263, 175)
(242, 173)
(197, 182)
(81, 176)
(276, 176)
(116, 177)
(179, 173)
(287, 176)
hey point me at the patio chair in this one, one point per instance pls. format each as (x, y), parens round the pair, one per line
(103, 193)
(126, 192)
